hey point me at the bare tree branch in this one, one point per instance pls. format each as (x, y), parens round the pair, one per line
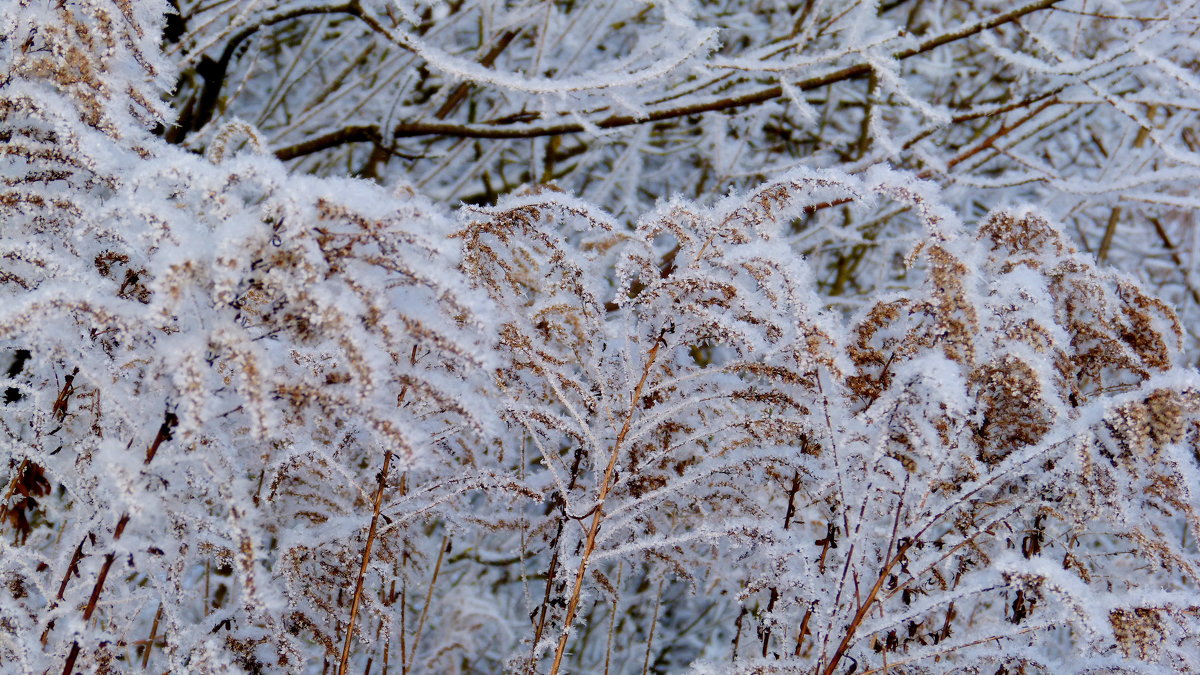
(496, 130)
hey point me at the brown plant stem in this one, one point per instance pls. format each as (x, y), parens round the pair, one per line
(12, 486)
(864, 607)
(69, 666)
(366, 559)
(153, 636)
(803, 632)
(1109, 230)
(653, 627)
(99, 587)
(73, 566)
(598, 514)
(437, 568)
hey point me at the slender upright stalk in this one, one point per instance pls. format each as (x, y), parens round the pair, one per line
(366, 559)
(653, 627)
(152, 638)
(598, 515)
(437, 568)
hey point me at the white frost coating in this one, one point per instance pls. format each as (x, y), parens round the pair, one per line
(258, 416)
(627, 72)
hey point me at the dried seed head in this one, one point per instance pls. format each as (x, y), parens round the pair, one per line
(1140, 632)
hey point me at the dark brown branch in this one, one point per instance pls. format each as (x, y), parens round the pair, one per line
(460, 93)
(496, 131)
(165, 433)
(99, 587)
(198, 114)
(69, 666)
(356, 134)
(72, 568)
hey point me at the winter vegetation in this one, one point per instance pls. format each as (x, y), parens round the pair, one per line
(549, 336)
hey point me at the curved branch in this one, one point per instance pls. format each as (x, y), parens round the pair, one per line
(496, 130)
(353, 134)
(214, 72)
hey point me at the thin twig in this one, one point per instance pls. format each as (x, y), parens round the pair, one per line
(866, 605)
(72, 567)
(366, 558)
(1170, 246)
(412, 658)
(1109, 231)
(69, 666)
(598, 516)
(153, 636)
(612, 622)
(653, 626)
(99, 587)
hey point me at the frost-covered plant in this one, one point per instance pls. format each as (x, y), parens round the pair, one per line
(261, 422)
(1085, 107)
(208, 363)
(992, 468)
